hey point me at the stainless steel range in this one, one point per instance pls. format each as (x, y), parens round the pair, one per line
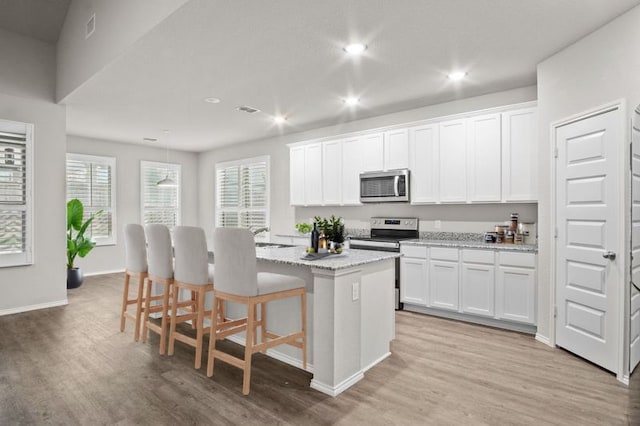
(386, 234)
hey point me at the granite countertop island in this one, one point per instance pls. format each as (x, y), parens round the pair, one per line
(347, 259)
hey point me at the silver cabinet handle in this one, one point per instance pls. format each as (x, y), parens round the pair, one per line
(609, 255)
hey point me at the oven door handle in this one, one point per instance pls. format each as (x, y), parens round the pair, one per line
(396, 185)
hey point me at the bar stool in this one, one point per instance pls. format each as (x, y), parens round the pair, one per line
(160, 273)
(193, 273)
(135, 266)
(237, 280)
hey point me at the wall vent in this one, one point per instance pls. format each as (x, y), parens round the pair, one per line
(247, 109)
(91, 26)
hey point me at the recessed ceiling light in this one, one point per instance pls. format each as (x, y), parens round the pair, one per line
(212, 100)
(351, 101)
(355, 48)
(457, 75)
(279, 119)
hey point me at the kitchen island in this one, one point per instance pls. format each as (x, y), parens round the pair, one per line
(350, 312)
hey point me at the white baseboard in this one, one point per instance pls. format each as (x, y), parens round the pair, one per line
(543, 339)
(28, 308)
(93, 274)
(287, 359)
(377, 361)
(339, 388)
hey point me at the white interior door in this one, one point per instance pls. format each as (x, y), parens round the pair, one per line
(634, 337)
(587, 218)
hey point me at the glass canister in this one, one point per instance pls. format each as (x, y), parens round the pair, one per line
(513, 225)
(508, 237)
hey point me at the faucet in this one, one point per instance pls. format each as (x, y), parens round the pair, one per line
(257, 231)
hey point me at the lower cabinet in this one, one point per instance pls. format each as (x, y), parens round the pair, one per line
(413, 281)
(443, 277)
(478, 289)
(516, 288)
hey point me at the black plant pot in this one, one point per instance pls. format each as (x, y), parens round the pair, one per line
(74, 278)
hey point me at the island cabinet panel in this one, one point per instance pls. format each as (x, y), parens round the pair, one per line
(332, 173)
(453, 161)
(296, 176)
(443, 288)
(477, 287)
(424, 164)
(396, 149)
(519, 155)
(483, 158)
(351, 168)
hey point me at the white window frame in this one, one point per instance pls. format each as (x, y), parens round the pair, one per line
(111, 162)
(241, 162)
(27, 256)
(161, 164)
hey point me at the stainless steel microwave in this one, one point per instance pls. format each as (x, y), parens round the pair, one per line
(383, 187)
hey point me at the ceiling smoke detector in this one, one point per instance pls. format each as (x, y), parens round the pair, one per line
(247, 109)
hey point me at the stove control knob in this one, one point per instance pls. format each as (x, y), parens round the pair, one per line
(406, 222)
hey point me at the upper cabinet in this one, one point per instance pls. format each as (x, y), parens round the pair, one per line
(519, 155)
(487, 158)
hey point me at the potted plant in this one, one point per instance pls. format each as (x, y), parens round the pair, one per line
(77, 244)
(333, 229)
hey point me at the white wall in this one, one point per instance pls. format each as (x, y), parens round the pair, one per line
(601, 68)
(119, 24)
(128, 157)
(26, 95)
(283, 216)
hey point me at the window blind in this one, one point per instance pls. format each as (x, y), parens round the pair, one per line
(91, 179)
(242, 193)
(160, 204)
(15, 194)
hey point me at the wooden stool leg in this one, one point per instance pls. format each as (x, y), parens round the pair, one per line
(125, 297)
(194, 298)
(136, 333)
(213, 336)
(263, 323)
(248, 349)
(165, 313)
(145, 320)
(199, 324)
(174, 309)
(303, 313)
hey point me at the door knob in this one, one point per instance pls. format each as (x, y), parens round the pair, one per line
(609, 255)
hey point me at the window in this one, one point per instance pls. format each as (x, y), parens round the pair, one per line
(16, 171)
(242, 193)
(91, 179)
(160, 204)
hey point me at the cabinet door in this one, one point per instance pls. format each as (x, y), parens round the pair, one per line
(483, 158)
(413, 281)
(372, 152)
(443, 284)
(331, 173)
(453, 163)
(351, 169)
(519, 155)
(478, 284)
(313, 174)
(516, 292)
(296, 176)
(396, 149)
(424, 164)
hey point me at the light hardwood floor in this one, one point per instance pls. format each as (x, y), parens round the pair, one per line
(71, 365)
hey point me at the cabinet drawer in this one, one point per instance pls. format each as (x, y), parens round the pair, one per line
(525, 260)
(414, 251)
(478, 256)
(442, 253)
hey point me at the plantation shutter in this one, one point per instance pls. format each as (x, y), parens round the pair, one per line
(13, 192)
(91, 180)
(242, 194)
(160, 204)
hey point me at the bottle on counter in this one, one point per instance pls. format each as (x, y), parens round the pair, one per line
(322, 243)
(315, 237)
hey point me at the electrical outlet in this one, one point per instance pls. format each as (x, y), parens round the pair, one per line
(437, 224)
(355, 291)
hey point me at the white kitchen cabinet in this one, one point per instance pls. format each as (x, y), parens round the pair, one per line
(313, 174)
(424, 164)
(352, 166)
(443, 284)
(519, 155)
(516, 287)
(478, 282)
(483, 158)
(414, 275)
(396, 149)
(453, 161)
(296, 176)
(332, 173)
(372, 152)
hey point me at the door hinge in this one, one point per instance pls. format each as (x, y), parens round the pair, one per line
(555, 312)
(555, 152)
(555, 233)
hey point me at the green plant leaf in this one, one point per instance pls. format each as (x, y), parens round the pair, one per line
(75, 211)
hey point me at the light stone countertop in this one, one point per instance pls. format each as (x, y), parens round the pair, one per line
(530, 248)
(347, 259)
